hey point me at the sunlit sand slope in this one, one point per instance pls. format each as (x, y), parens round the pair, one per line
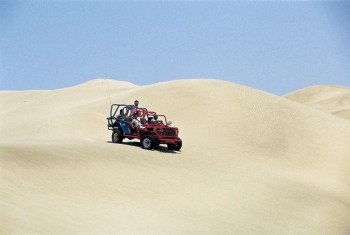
(251, 163)
(331, 99)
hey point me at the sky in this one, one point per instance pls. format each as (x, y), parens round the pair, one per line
(275, 46)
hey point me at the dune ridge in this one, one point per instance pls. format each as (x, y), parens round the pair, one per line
(251, 163)
(331, 99)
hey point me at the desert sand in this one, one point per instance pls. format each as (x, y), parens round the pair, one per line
(251, 162)
(331, 99)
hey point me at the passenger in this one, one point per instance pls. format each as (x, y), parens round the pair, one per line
(126, 112)
(136, 104)
(136, 122)
(121, 114)
(134, 107)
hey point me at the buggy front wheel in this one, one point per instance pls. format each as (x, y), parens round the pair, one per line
(148, 142)
(177, 146)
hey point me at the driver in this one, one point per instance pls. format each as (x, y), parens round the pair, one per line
(154, 119)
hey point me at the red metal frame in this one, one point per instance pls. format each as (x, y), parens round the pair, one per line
(153, 128)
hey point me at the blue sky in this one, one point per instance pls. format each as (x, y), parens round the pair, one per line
(274, 46)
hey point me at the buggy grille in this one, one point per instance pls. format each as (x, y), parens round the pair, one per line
(169, 132)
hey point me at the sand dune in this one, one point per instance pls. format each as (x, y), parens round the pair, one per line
(331, 99)
(251, 163)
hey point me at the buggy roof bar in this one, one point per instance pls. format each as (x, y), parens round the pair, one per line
(124, 106)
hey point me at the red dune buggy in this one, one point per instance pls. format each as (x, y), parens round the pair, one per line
(152, 129)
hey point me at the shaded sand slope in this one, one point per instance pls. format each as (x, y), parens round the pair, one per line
(251, 163)
(331, 99)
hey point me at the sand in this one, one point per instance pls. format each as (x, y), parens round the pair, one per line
(251, 162)
(331, 99)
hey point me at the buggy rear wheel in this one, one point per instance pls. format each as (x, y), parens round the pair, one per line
(177, 146)
(117, 136)
(148, 142)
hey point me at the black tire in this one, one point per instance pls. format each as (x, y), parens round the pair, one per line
(117, 136)
(148, 142)
(177, 146)
(157, 144)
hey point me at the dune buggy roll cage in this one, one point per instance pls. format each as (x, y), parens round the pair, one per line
(127, 112)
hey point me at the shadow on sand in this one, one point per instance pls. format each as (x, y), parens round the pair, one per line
(160, 148)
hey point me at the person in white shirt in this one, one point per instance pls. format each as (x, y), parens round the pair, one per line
(136, 122)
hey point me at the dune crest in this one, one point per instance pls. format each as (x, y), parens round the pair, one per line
(102, 82)
(251, 163)
(331, 99)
